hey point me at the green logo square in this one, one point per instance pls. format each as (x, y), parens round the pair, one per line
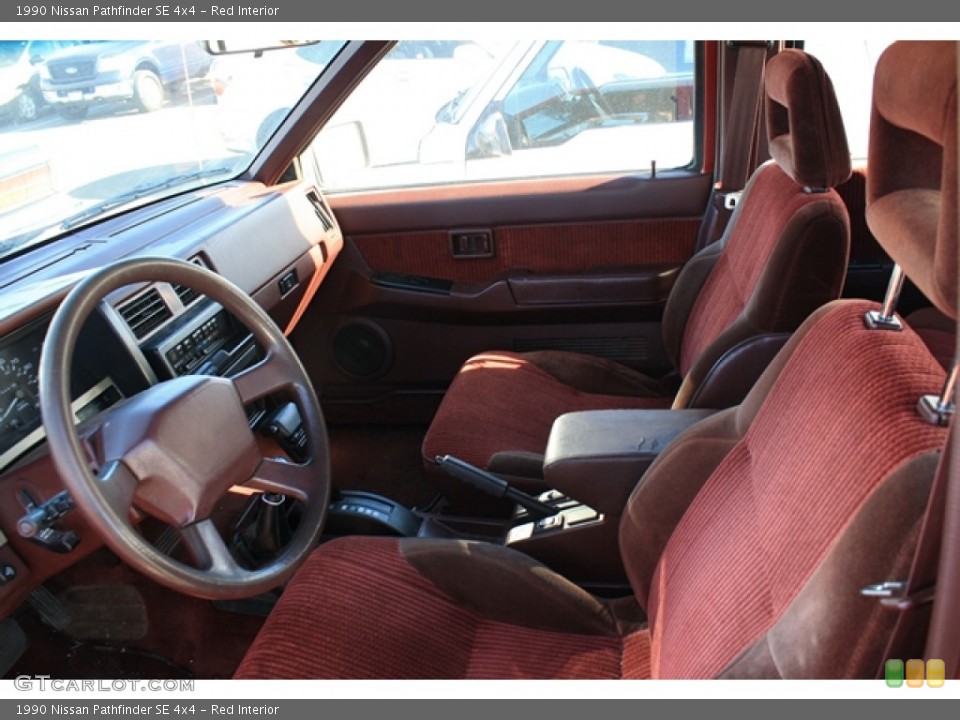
(893, 670)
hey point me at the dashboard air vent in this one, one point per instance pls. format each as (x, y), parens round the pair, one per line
(320, 209)
(145, 313)
(186, 294)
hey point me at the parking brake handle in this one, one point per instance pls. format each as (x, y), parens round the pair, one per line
(492, 485)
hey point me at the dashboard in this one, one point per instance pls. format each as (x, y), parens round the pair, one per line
(274, 243)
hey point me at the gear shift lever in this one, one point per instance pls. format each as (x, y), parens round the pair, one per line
(264, 537)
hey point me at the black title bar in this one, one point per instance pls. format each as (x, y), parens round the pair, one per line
(734, 13)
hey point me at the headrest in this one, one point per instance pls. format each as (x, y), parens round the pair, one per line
(804, 125)
(912, 165)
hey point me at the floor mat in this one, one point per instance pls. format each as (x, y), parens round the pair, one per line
(13, 644)
(185, 636)
(382, 459)
(115, 613)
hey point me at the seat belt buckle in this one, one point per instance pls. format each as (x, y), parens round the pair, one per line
(732, 199)
(892, 594)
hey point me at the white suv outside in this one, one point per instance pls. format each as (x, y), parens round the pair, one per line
(20, 96)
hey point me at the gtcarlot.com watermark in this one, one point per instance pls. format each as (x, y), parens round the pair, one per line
(44, 683)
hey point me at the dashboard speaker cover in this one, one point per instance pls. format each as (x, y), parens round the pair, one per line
(362, 349)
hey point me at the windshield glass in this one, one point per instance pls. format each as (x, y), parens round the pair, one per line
(88, 128)
(10, 51)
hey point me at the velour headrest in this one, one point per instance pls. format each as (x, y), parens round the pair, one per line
(804, 125)
(912, 165)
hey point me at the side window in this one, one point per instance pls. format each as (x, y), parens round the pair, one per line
(452, 112)
(850, 66)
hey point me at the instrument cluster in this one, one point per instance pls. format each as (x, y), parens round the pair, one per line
(19, 398)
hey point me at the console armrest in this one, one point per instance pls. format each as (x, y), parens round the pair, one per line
(598, 456)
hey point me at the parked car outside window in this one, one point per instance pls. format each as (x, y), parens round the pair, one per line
(20, 96)
(527, 109)
(140, 73)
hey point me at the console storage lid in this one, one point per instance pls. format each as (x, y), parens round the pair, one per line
(598, 456)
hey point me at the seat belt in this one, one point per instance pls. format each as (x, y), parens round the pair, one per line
(739, 139)
(913, 598)
(943, 638)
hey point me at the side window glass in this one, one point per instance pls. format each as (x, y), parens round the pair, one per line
(577, 88)
(850, 66)
(454, 112)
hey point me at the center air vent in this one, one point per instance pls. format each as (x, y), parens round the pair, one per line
(145, 313)
(186, 294)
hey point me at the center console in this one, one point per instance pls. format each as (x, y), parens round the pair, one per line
(593, 461)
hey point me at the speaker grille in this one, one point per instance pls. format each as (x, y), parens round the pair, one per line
(361, 350)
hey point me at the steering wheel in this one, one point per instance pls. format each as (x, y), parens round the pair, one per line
(582, 81)
(171, 451)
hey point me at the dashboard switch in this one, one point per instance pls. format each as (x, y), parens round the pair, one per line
(7, 573)
(286, 428)
(288, 282)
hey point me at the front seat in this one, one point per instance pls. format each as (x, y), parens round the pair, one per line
(783, 255)
(747, 542)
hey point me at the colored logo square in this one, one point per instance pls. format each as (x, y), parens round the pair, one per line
(894, 673)
(914, 673)
(935, 673)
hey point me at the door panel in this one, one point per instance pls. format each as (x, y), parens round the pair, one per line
(536, 201)
(541, 249)
(399, 314)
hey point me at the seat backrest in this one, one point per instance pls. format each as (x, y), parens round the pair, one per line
(785, 250)
(749, 539)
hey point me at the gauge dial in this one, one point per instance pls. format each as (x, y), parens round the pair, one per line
(19, 401)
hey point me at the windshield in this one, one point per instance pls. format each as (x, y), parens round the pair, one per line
(10, 51)
(90, 128)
